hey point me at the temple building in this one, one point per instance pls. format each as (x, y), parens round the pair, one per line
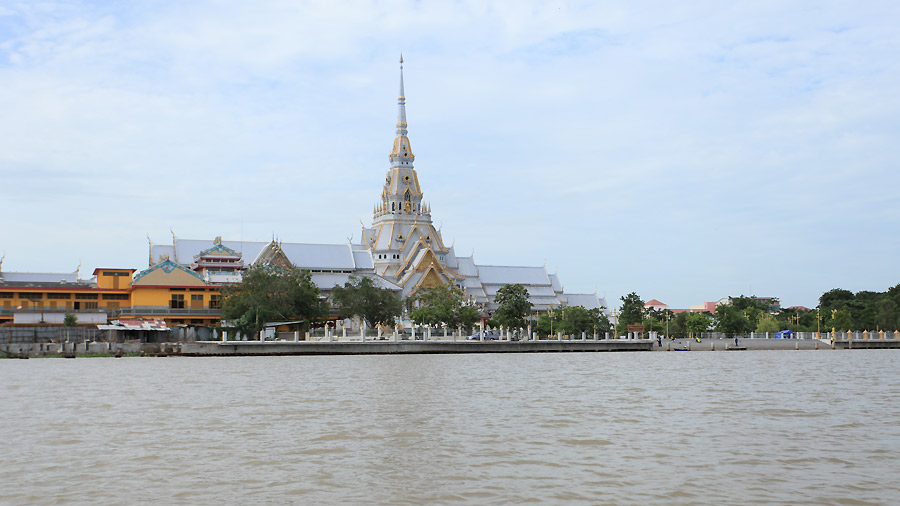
(402, 250)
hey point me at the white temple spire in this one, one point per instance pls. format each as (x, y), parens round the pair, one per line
(401, 154)
(401, 105)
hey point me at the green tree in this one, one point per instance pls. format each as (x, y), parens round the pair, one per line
(599, 321)
(632, 311)
(842, 320)
(268, 294)
(836, 298)
(70, 320)
(888, 315)
(678, 325)
(575, 320)
(743, 302)
(550, 322)
(443, 304)
(767, 323)
(361, 297)
(731, 320)
(696, 323)
(514, 306)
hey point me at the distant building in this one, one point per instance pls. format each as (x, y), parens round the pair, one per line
(655, 305)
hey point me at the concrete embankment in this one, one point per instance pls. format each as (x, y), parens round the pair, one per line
(238, 348)
(771, 344)
(21, 350)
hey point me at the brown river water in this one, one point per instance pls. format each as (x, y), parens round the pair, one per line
(764, 427)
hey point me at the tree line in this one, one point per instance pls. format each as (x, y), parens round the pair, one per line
(273, 294)
(838, 308)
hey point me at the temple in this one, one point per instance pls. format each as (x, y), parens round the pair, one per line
(401, 251)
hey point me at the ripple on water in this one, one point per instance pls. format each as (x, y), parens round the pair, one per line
(703, 429)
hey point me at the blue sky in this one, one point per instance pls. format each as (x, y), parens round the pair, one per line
(683, 150)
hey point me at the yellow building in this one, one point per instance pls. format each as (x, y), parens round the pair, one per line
(29, 298)
(165, 291)
(173, 292)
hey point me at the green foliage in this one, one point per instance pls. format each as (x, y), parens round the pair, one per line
(360, 297)
(266, 295)
(743, 302)
(549, 322)
(514, 306)
(599, 321)
(731, 320)
(632, 311)
(767, 323)
(888, 315)
(697, 322)
(835, 298)
(842, 320)
(70, 320)
(865, 310)
(573, 320)
(443, 304)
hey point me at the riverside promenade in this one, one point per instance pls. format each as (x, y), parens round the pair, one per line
(385, 347)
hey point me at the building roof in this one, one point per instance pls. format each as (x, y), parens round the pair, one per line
(586, 300)
(504, 274)
(328, 280)
(39, 277)
(319, 256)
(58, 280)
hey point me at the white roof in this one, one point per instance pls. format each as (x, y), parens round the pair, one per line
(467, 266)
(39, 277)
(586, 300)
(327, 280)
(305, 256)
(319, 256)
(502, 275)
(363, 259)
(554, 282)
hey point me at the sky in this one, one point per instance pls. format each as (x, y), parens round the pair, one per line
(685, 151)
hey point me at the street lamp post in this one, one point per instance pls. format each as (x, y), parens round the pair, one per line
(818, 324)
(615, 323)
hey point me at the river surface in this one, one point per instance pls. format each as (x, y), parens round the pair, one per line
(768, 427)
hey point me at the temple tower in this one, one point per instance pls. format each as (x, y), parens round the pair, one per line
(406, 248)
